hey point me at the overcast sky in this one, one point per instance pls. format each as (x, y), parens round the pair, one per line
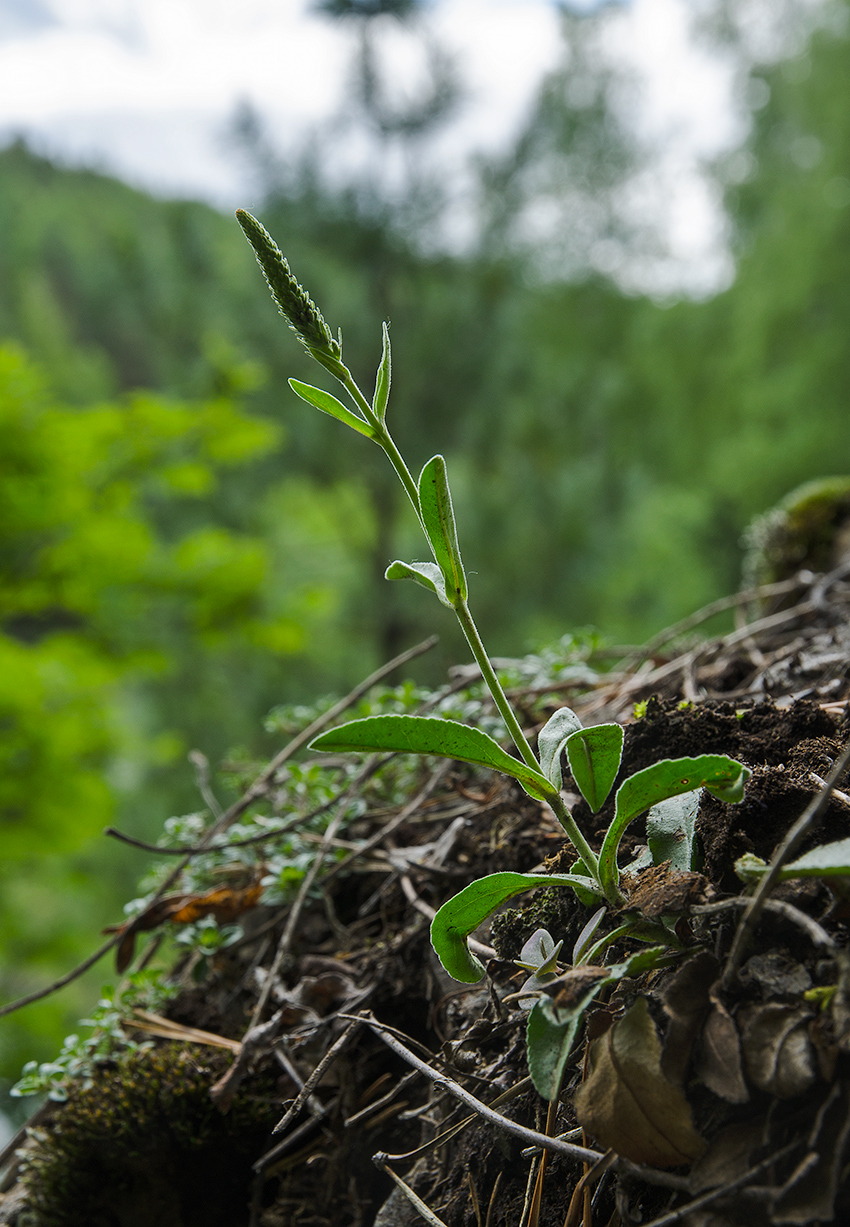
(144, 88)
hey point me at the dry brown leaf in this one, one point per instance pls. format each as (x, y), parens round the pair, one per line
(778, 1052)
(224, 903)
(728, 1155)
(627, 1104)
(686, 1002)
(664, 889)
(719, 1066)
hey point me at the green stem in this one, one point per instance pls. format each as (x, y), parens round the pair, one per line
(384, 440)
(582, 847)
(636, 928)
(473, 638)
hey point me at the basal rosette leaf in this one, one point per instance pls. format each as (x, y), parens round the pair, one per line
(670, 830)
(463, 913)
(722, 776)
(430, 735)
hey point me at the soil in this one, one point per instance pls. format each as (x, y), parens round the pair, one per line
(763, 1062)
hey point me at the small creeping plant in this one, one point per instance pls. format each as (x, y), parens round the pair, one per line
(593, 754)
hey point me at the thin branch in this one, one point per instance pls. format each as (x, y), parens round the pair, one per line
(257, 789)
(202, 778)
(380, 1161)
(307, 1090)
(74, 974)
(737, 599)
(529, 1136)
(305, 887)
(816, 932)
(676, 1216)
(807, 821)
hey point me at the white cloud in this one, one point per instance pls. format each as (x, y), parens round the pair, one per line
(145, 87)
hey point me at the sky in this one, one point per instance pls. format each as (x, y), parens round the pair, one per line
(145, 89)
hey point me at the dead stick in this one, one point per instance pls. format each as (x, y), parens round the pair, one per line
(676, 1216)
(380, 1161)
(807, 821)
(314, 1079)
(529, 1136)
(257, 789)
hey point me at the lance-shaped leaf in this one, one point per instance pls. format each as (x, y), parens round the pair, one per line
(553, 1023)
(826, 861)
(462, 914)
(329, 404)
(551, 740)
(670, 830)
(430, 735)
(428, 574)
(669, 778)
(383, 379)
(626, 1102)
(594, 756)
(438, 518)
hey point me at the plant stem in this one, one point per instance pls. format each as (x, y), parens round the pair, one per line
(582, 847)
(384, 440)
(473, 638)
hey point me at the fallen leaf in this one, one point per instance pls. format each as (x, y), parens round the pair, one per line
(719, 1065)
(686, 1002)
(224, 903)
(778, 1053)
(661, 889)
(728, 1155)
(776, 976)
(627, 1104)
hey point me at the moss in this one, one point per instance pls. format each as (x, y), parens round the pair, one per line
(803, 530)
(144, 1144)
(554, 909)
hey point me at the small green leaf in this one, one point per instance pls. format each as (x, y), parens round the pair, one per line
(435, 504)
(670, 830)
(329, 404)
(552, 1031)
(550, 1038)
(826, 861)
(428, 574)
(463, 913)
(383, 379)
(429, 735)
(551, 740)
(594, 756)
(669, 778)
(540, 952)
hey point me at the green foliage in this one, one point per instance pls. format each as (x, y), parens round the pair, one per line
(79, 1059)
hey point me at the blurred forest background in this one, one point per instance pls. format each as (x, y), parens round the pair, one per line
(185, 545)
